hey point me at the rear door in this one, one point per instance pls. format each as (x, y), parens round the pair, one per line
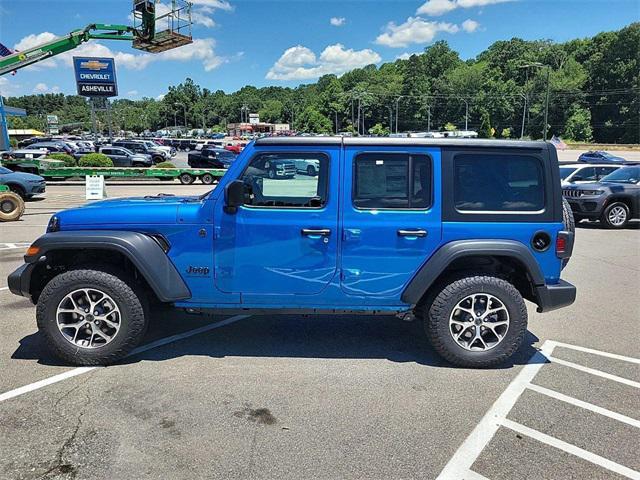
(391, 219)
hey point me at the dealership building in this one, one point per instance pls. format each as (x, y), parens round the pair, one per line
(254, 125)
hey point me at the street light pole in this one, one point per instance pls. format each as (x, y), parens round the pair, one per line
(546, 105)
(466, 114)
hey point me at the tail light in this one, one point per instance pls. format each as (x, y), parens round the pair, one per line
(564, 244)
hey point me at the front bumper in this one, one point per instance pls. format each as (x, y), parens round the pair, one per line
(588, 207)
(552, 297)
(19, 281)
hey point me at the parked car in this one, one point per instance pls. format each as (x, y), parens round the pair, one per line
(614, 200)
(579, 173)
(454, 233)
(27, 185)
(24, 153)
(170, 151)
(235, 148)
(52, 147)
(309, 166)
(599, 156)
(121, 157)
(136, 146)
(210, 157)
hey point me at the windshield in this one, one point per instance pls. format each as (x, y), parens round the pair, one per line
(4, 170)
(566, 171)
(623, 175)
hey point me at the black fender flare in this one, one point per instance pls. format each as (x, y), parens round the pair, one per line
(439, 261)
(144, 252)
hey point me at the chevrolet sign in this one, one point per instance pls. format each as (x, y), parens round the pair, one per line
(95, 77)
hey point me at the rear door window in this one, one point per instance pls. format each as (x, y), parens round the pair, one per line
(498, 183)
(392, 181)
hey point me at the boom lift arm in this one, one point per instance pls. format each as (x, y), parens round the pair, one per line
(63, 44)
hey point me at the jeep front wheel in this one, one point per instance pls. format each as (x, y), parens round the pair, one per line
(90, 317)
(476, 321)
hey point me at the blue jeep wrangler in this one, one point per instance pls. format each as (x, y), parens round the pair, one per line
(454, 233)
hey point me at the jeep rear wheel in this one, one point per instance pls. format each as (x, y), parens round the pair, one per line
(90, 317)
(476, 321)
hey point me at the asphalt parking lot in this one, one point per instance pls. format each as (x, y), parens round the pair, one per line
(295, 397)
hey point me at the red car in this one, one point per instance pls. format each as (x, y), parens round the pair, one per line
(234, 148)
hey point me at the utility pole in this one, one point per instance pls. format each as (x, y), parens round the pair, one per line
(466, 114)
(546, 105)
(546, 99)
(524, 113)
(397, 110)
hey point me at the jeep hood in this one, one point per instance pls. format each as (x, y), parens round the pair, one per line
(135, 210)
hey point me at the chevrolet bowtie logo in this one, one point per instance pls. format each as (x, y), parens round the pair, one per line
(94, 65)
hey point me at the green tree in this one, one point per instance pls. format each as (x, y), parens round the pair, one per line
(379, 130)
(579, 125)
(312, 121)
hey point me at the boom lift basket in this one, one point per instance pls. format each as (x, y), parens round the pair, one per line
(158, 31)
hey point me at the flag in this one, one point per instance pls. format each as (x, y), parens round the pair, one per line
(5, 52)
(559, 144)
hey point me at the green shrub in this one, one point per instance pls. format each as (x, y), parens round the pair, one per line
(68, 160)
(164, 165)
(95, 160)
(13, 143)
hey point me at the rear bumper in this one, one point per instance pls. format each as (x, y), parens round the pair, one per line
(19, 281)
(552, 297)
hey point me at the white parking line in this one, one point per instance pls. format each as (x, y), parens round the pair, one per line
(598, 352)
(572, 449)
(597, 373)
(459, 466)
(82, 370)
(586, 405)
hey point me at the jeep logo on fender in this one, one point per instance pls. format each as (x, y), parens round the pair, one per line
(198, 270)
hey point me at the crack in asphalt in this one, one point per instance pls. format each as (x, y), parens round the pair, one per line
(60, 467)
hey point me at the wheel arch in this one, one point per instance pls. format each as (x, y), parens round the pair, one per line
(627, 200)
(506, 259)
(142, 254)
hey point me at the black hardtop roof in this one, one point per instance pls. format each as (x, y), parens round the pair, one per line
(393, 142)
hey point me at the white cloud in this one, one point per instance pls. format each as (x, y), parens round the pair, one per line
(214, 4)
(405, 56)
(337, 21)
(132, 93)
(470, 26)
(9, 88)
(34, 40)
(434, 8)
(300, 63)
(201, 49)
(414, 30)
(160, 97)
(43, 88)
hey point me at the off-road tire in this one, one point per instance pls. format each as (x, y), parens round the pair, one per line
(11, 207)
(436, 315)
(133, 322)
(605, 215)
(569, 221)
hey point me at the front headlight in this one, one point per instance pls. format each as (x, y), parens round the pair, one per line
(592, 193)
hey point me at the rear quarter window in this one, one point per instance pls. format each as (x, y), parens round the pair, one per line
(498, 183)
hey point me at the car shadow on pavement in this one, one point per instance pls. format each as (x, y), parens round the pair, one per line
(599, 226)
(287, 336)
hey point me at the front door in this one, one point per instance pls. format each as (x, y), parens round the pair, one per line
(283, 241)
(391, 219)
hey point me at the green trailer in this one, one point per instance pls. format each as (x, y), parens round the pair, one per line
(55, 170)
(187, 176)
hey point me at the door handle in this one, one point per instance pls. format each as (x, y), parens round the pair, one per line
(323, 232)
(412, 233)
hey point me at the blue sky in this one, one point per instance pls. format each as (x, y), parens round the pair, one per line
(264, 42)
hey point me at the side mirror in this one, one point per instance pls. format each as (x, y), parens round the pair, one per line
(233, 196)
